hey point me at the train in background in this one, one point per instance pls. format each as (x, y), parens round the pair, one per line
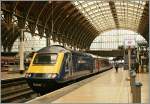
(56, 64)
(10, 60)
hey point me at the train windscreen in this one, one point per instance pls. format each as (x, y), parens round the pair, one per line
(46, 58)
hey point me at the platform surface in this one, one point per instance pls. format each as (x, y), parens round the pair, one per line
(110, 87)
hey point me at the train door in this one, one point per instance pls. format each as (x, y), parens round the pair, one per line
(71, 64)
(97, 64)
(68, 65)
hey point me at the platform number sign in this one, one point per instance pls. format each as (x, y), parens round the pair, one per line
(130, 43)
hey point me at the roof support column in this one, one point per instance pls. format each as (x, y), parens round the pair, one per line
(4, 48)
(9, 48)
(48, 38)
(48, 42)
(21, 51)
(114, 13)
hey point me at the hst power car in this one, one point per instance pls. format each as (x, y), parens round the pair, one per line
(56, 64)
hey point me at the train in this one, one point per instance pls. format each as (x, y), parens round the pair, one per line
(55, 65)
(9, 58)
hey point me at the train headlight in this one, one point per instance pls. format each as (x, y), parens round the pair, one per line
(52, 75)
(28, 75)
(49, 75)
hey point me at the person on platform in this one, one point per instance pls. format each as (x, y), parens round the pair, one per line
(137, 67)
(116, 67)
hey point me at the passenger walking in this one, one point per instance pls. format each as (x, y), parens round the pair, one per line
(116, 67)
(137, 67)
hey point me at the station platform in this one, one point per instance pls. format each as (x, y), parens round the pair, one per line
(108, 87)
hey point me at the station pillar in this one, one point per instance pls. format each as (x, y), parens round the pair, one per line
(132, 79)
(21, 51)
(48, 41)
(129, 58)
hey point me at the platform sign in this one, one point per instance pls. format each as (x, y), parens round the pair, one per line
(129, 43)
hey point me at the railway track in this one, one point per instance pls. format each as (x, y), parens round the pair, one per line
(16, 91)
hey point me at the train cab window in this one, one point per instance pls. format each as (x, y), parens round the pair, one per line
(45, 58)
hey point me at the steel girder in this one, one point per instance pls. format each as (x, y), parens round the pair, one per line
(69, 24)
(144, 22)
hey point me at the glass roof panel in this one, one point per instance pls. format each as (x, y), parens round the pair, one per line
(99, 13)
(112, 39)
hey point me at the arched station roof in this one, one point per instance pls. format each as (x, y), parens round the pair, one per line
(112, 14)
(75, 23)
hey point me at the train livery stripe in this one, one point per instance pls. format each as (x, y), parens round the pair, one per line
(59, 62)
